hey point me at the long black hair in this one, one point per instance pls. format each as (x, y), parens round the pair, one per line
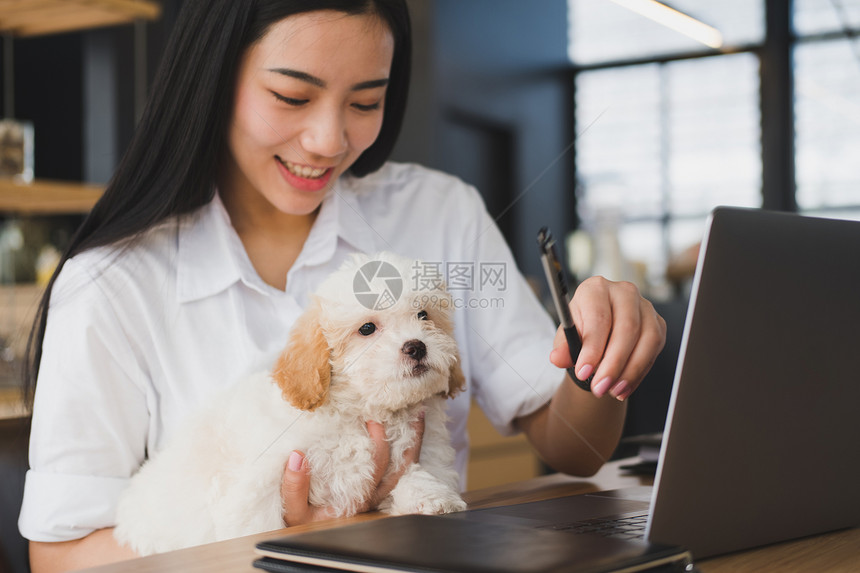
(170, 166)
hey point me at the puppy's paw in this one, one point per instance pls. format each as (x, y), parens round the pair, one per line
(438, 504)
(420, 492)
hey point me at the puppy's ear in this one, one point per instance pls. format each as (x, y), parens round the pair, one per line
(456, 380)
(303, 371)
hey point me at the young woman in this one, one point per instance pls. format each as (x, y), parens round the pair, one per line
(258, 167)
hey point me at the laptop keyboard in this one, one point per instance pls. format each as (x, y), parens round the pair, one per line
(622, 528)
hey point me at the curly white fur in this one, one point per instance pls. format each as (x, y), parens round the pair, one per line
(220, 477)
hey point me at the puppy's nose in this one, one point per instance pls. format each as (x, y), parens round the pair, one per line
(414, 349)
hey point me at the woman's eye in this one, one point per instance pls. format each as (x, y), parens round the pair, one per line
(367, 107)
(422, 315)
(289, 100)
(367, 329)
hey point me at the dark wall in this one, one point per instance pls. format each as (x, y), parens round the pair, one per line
(416, 142)
(495, 103)
(78, 89)
(48, 93)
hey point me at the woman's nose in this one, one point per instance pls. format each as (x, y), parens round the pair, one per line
(324, 134)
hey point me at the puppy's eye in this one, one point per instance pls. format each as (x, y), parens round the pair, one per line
(422, 315)
(367, 329)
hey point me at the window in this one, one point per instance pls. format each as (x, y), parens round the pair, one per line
(669, 128)
(662, 144)
(827, 107)
(822, 16)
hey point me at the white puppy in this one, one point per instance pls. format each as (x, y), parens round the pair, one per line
(351, 358)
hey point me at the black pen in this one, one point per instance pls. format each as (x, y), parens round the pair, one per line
(558, 289)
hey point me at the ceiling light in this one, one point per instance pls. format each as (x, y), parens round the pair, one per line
(678, 21)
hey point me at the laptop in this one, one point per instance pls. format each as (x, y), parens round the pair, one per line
(759, 446)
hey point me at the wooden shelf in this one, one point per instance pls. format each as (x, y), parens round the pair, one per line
(11, 404)
(45, 197)
(23, 18)
(18, 304)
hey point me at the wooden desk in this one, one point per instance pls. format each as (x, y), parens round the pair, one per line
(834, 552)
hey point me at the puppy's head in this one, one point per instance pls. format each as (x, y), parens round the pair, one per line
(374, 336)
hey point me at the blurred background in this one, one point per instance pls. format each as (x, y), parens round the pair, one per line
(618, 123)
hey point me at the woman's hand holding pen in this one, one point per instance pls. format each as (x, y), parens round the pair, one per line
(621, 336)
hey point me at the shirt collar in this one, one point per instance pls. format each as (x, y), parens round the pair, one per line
(208, 260)
(211, 256)
(351, 223)
(340, 220)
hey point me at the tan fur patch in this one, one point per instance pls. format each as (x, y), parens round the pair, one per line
(456, 381)
(303, 371)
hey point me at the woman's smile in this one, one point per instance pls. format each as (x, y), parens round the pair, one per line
(304, 177)
(304, 171)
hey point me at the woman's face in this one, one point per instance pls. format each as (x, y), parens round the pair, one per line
(309, 100)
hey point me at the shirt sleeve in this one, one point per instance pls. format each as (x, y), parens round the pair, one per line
(509, 334)
(90, 415)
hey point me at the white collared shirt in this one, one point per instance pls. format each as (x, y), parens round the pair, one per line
(138, 336)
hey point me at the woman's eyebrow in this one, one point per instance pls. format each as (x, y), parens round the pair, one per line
(301, 76)
(369, 85)
(315, 81)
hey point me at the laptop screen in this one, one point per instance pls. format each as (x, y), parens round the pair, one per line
(761, 438)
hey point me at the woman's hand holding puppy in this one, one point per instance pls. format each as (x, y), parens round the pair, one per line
(296, 482)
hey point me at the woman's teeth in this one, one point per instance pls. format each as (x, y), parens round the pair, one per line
(304, 171)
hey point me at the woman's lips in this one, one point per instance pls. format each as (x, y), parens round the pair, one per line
(304, 177)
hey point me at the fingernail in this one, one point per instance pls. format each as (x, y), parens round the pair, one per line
(626, 394)
(619, 390)
(601, 387)
(585, 372)
(294, 463)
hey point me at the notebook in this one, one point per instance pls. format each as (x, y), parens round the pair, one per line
(428, 543)
(759, 446)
